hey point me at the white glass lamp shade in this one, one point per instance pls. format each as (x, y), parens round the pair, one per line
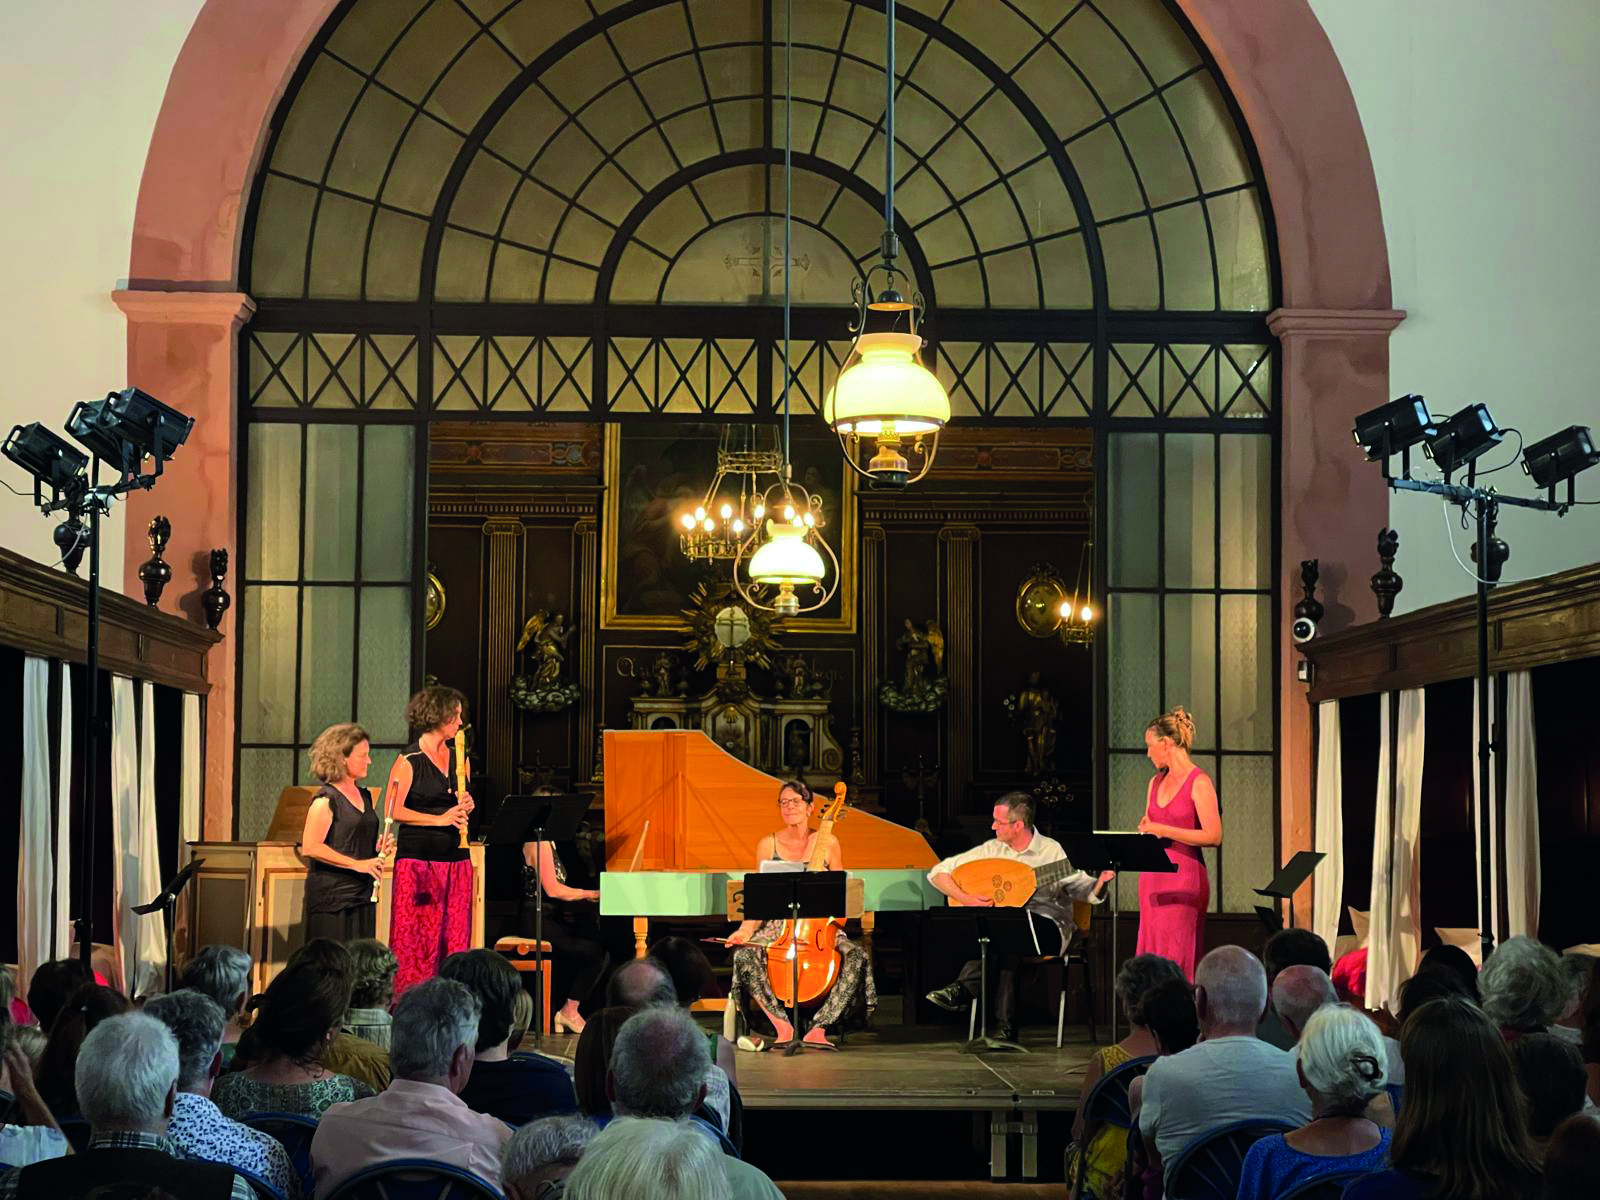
(887, 389)
(786, 557)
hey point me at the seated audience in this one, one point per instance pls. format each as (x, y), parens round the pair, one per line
(1349, 977)
(364, 1061)
(1569, 1025)
(1550, 1073)
(1524, 986)
(198, 1128)
(1340, 1059)
(1458, 962)
(1431, 983)
(1590, 1046)
(1169, 1014)
(658, 1071)
(692, 979)
(85, 1009)
(299, 1018)
(223, 973)
(126, 1080)
(521, 1019)
(661, 1160)
(1100, 1153)
(1231, 1075)
(51, 986)
(640, 982)
(38, 1137)
(1298, 992)
(1462, 1133)
(1572, 1160)
(372, 968)
(31, 1040)
(636, 983)
(1284, 949)
(517, 1090)
(421, 1115)
(542, 1154)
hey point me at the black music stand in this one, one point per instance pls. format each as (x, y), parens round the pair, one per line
(164, 902)
(538, 819)
(1114, 850)
(1288, 880)
(1011, 931)
(789, 896)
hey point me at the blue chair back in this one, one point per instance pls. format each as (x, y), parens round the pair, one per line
(293, 1132)
(262, 1189)
(1208, 1167)
(1324, 1187)
(1107, 1102)
(77, 1131)
(1397, 1093)
(415, 1179)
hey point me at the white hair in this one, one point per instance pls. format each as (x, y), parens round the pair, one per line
(221, 972)
(196, 1022)
(1343, 1057)
(664, 1160)
(1524, 985)
(1299, 991)
(127, 1067)
(658, 1064)
(430, 1022)
(1235, 984)
(542, 1144)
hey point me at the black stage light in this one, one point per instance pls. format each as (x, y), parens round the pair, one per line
(50, 459)
(1393, 427)
(1466, 436)
(129, 426)
(1560, 456)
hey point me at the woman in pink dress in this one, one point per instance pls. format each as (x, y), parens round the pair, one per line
(1183, 811)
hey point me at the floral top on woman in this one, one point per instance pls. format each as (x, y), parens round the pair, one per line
(238, 1095)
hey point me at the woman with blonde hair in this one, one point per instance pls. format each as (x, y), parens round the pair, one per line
(342, 838)
(1182, 810)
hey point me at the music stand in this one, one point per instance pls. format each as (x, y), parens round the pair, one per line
(538, 819)
(1288, 880)
(1012, 930)
(164, 902)
(1113, 850)
(789, 896)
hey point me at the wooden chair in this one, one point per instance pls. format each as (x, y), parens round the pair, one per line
(520, 951)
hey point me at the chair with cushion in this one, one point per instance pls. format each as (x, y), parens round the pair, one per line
(1208, 1167)
(262, 1189)
(294, 1132)
(415, 1179)
(1324, 1187)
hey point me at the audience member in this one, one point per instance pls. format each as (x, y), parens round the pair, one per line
(639, 982)
(543, 1153)
(223, 973)
(521, 1019)
(1231, 1075)
(1170, 1016)
(1524, 986)
(692, 979)
(38, 1137)
(1569, 1025)
(198, 1128)
(1572, 1160)
(1590, 1047)
(520, 1089)
(126, 1080)
(1284, 949)
(1340, 1058)
(658, 1071)
(1462, 1133)
(421, 1115)
(1431, 983)
(1298, 992)
(1550, 1073)
(362, 1060)
(592, 1059)
(658, 1160)
(1100, 1153)
(372, 968)
(1458, 962)
(299, 1018)
(1349, 977)
(31, 1040)
(51, 986)
(85, 1008)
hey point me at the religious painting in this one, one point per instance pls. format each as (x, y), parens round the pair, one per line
(654, 473)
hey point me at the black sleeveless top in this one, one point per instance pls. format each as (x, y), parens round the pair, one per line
(435, 793)
(354, 834)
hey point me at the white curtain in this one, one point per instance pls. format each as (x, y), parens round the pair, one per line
(1328, 880)
(35, 876)
(124, 831)
(63, 910)
(1396, 930)
(1514, 874)
(189, 785)
(151, 948)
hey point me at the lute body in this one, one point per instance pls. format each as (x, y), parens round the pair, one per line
(1006, 881)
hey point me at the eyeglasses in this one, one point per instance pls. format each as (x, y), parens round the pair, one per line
(792, 801)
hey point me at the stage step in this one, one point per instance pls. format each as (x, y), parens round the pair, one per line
(922, 1189)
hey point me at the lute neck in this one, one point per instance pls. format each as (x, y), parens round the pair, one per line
(819, 848)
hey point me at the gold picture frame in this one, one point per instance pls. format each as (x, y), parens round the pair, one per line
(654, 536)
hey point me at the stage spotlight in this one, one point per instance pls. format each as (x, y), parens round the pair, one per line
(1463, 438)
(1560, 456)
(129, 426)
(54, 462)
(1393, 427)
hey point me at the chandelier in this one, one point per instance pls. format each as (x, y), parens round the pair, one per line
(792, 554)
(1078, 613)
(734, 503)
(884, 396)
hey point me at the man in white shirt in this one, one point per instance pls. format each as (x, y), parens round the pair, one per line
(1014, 837)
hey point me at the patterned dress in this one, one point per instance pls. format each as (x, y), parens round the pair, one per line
(237, 1095)
(432, 914)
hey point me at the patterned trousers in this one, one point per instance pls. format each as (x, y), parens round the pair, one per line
(854, 993)
(431, 918)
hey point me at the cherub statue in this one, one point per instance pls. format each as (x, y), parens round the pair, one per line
(915, 643)
(935, 637)
(548, 637)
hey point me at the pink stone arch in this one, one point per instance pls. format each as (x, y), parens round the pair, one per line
(1275, 58)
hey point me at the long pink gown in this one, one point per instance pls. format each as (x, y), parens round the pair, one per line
(1172, 908)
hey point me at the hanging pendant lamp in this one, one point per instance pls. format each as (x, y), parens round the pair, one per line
(793, 554)
(885, 396)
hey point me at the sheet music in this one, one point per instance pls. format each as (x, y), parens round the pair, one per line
(778, 866)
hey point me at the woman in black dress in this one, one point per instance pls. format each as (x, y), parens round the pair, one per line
(341, 839)
(571, 926)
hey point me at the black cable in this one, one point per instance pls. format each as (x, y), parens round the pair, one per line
(1511, 461)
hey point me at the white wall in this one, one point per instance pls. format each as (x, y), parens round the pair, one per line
(1483, 118)
(81, 82)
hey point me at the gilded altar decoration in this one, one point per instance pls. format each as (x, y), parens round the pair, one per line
(1038, 714)
(1039, 599)
(726, 634)
(433, 599)
(540, 688)
(922, 686)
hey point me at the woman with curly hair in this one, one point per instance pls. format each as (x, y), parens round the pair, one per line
(432, 914)
(341, 839)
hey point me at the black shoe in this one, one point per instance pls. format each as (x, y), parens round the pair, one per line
(952, 998)
(1005, 1031)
